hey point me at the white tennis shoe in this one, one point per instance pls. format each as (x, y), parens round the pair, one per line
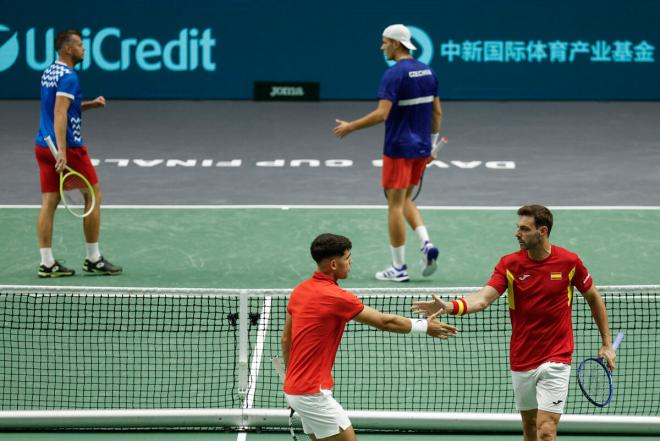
(429, 258)
(394, 274)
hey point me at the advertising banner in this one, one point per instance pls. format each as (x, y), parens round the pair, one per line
(209, 49)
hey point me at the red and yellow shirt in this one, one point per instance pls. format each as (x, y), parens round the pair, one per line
(540, 295)
(320, 310)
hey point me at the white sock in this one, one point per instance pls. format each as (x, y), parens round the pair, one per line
(47, 258)
(398, 256)
(93, 253)
(423, 234)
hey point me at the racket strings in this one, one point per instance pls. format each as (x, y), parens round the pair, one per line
(76, 193)
(73, 181)
(596, 382)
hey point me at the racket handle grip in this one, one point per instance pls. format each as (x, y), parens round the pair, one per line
(617, 340)
(51, 146)
(277, 364)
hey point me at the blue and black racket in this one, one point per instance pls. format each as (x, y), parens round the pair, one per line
(595, 379)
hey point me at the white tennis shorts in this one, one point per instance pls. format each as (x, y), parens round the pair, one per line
(544, 388)
(320, 413)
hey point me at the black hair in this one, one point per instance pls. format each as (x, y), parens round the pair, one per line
(63, 38)
(542, 216)
(329, 245)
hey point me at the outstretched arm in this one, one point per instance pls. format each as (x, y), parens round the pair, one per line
(475, 302)
(599, 313)
(379, 115)
(402, 325)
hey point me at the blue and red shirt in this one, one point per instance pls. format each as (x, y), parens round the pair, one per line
(540, 295)
(412, 87)
(60, 79)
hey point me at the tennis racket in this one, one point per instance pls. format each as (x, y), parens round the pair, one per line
(595, 379)
(417, 189)
(75, 190)
(295, 423)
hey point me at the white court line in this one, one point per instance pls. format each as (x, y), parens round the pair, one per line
(350, 207)
(257, 355)
(242, 436)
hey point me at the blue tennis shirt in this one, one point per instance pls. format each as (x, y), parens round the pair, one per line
(411, 86)
(60, 79)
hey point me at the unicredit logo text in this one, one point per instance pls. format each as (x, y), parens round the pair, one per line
(109, 49)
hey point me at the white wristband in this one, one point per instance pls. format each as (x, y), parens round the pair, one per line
(434, 139)
(419, 325)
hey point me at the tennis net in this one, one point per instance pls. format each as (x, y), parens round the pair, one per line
(94, 348)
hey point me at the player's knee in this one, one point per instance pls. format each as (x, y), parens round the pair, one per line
(397, 212)
(529, 431)
(49, 207)
(410, 203)
(396, 204)
(547, 431)
(529, 426)
(396, 197)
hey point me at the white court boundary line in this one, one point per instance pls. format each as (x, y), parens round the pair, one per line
(349, 207)
(257, 355)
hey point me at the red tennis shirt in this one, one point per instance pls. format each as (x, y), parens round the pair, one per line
(540, 295)
(320, 310)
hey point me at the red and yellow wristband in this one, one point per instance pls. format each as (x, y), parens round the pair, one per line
(460, 307)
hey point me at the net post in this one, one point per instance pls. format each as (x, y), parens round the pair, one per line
(243, 325)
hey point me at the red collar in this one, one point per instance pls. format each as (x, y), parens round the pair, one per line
(320, 276)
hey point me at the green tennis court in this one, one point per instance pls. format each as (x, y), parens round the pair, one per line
(269, 247)
(245, 248)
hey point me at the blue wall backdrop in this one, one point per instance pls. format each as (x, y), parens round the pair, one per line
(500, 49)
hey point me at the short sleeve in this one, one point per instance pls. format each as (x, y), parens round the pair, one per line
(582, 279)
(498, 279)
(68, 86)
(389, 86)
(349, 306)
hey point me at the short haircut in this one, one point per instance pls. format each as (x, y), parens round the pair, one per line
(63, 38)
(400, 44)
(542, 216)
(329, 245)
